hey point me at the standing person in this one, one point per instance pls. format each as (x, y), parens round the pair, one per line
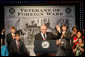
(3, 35)
(83, 35)
(44, 35)
(65, 37)
(66, 33)
(4, 50)
(17, 47)
(74, 32)
(75, 40)
(79, 50)
(63, 32)
(10, 38)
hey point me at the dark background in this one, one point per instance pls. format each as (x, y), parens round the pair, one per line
(79, 11)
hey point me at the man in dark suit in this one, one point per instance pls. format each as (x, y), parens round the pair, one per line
(65, 37)
(17, 47)
(10, 38)
(47, 36)
(44, 35)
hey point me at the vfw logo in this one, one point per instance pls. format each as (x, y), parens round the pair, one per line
(11, 12)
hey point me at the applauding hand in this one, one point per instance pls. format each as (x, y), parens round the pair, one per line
(58, 29)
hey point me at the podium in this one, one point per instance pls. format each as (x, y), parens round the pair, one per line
(45, 46)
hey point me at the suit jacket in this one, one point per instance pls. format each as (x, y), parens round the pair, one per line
(50, 36)
(9, 39)
(67, 37)
(14, 49)
(4, 51)
(3, 37)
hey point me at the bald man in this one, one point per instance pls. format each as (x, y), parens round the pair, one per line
(44, 35)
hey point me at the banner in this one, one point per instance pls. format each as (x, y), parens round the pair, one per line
(28, 19)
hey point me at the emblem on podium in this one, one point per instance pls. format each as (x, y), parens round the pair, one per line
(45, 44)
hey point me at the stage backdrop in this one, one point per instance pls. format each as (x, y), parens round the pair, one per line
(28, 19)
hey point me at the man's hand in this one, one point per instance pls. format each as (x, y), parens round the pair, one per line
(57, 42)
(77, 45)
(58, 29)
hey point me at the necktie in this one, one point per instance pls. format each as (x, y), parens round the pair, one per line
(44, 37)
(18, 45)
(13, 35)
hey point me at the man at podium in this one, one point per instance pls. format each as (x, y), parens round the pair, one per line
(44, 43)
